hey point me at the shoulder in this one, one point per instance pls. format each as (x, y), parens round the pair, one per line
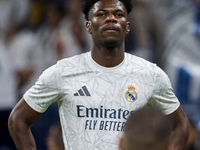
(147, 68)
(72, 61)
(67, 66)
(135, 60)
(140, 64)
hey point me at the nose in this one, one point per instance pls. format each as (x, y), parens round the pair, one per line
(111, 18)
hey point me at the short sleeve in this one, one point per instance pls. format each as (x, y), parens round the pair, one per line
(45, 91)
(163, 96)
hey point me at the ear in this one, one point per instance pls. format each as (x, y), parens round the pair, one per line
(128, 27)
(88, 26)
(121, 144)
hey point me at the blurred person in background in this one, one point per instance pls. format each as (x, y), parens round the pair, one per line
(147, 35)
(12, 12)
(47, 33)
(183, 60)
(8, 95)
(21, 53)
(21, 41)
(183, 55)
(36, 16)
(23, 45)
(146, 129)
(72, 34)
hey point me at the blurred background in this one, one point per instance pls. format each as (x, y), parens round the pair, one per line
(35, 34)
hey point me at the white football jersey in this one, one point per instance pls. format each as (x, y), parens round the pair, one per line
(94, 101)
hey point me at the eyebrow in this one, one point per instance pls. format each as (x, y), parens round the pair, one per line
(118, 10)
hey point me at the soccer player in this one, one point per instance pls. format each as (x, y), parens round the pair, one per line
(96, 91)
(146, 129)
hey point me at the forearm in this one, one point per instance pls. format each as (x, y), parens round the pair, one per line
(22, 135)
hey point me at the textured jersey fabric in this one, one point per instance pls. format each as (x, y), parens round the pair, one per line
(94, 101)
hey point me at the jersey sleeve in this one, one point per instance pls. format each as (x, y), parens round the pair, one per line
(45, 91)
(163, 96)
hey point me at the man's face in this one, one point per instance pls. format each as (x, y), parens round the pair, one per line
(108, 23)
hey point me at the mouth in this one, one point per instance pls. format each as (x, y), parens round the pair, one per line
(111, 29)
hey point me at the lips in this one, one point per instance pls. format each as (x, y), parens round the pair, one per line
(111, 28)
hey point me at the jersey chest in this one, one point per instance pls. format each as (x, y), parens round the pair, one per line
(108, 90)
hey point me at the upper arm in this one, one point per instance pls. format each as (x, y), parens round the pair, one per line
(23, 113)
(20, 120)
(179, 117)
(180, 131)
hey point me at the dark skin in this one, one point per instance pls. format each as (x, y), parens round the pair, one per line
(108, 26)
(20, 120)
(181, 130)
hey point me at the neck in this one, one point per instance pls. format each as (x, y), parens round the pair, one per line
(108, 57)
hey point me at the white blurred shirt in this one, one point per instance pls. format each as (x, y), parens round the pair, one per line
(8, 96)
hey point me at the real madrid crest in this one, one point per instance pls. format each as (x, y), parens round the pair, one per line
(131, 94)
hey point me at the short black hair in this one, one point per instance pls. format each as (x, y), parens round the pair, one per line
(88, 4)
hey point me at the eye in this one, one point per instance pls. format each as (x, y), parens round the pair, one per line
(101, 14)
(119, 15)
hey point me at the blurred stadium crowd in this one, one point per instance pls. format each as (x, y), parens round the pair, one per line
(34, 34)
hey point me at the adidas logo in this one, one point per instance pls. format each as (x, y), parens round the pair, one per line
(82, 92)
